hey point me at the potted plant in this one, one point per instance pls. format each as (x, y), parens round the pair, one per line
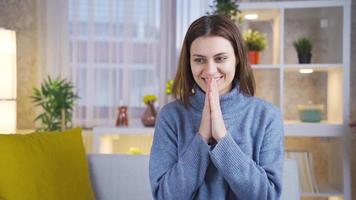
(303, 46)
(56, 98)
(255, 42)
(229, 8)
(169, 85)
(168, 91)
(149, 116)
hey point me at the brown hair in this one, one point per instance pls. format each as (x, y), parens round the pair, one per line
(213, 25)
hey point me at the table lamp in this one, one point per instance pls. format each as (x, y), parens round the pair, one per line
(7, 81)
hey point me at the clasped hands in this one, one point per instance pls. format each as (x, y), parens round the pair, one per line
(212, 123)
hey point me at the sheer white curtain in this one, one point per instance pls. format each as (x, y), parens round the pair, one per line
(114, 51)
(187, 12)
(176, 16)
(114, 55)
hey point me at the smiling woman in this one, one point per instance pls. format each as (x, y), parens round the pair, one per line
(212, 37)
(216, 141)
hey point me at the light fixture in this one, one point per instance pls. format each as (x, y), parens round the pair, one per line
(7, 81)
(251, 16)
(306, 71)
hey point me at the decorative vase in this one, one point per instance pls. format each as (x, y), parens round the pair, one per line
(122, 117)
(254, 57)
(149, 116)
(304, 58)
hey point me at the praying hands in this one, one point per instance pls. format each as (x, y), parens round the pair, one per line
(212, 124)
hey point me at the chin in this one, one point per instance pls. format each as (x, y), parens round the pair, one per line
(204, 87)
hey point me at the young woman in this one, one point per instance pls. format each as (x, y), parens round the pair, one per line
(216, 141)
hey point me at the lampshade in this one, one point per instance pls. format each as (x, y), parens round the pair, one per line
(7, 81)
(7, 116)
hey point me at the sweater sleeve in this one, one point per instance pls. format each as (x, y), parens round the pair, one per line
(176, 175)
(247, 179)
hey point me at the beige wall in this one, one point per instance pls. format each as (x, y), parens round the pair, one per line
(21, 17)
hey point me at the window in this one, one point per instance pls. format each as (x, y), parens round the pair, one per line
(113, 50)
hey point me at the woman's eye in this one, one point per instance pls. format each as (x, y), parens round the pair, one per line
(220, 59)
(199, 60)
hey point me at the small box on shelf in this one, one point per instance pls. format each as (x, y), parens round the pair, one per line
(310, 112)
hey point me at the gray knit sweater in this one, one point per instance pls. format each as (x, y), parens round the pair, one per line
(246, 164)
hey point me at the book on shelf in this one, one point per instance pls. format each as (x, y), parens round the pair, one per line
(307, 181)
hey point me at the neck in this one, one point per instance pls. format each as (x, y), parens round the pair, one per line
(226, 90)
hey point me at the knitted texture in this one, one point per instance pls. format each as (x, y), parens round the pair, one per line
(245, 164)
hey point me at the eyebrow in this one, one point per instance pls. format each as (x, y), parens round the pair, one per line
(218, 54)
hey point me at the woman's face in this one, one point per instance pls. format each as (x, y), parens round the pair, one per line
(214, 57)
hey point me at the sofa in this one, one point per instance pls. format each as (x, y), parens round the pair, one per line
(115, 176)
(126, 177)
(54, 165)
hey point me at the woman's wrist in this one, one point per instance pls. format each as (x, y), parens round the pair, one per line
(220, 136)
(206, 139)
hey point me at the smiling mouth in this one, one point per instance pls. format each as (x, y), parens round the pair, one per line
(215, 78)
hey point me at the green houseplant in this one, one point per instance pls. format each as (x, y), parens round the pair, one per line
(56, 98)
(169, 85)
(255, 42)
(149, 116)
(303, 46)
(168, 91)
(229, 8)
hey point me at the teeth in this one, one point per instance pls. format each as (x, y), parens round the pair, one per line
(215, 78)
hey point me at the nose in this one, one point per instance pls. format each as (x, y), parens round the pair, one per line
(211, 68)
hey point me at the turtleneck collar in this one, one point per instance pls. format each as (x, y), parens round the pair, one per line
(229, 102)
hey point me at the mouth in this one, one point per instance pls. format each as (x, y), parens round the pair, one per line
(217, 78)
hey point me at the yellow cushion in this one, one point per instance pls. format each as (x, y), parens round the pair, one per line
(48, 166)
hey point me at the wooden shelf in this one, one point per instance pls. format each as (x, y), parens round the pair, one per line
(325, 191)
(322, 129)
(135, 128)
(294, 67)
(316, 66)
(266, 66)
(131, 130)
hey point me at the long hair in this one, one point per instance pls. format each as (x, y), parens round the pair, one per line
(213, 25)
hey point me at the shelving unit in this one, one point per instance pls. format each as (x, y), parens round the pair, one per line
(279, 81)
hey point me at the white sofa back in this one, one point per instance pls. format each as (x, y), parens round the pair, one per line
(116, 177)
(290, 181)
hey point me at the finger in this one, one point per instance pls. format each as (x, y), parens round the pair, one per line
(209, 89)
(215, 101)
(206, 103)
(208, 82)
(212, 100)
(216, 93)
